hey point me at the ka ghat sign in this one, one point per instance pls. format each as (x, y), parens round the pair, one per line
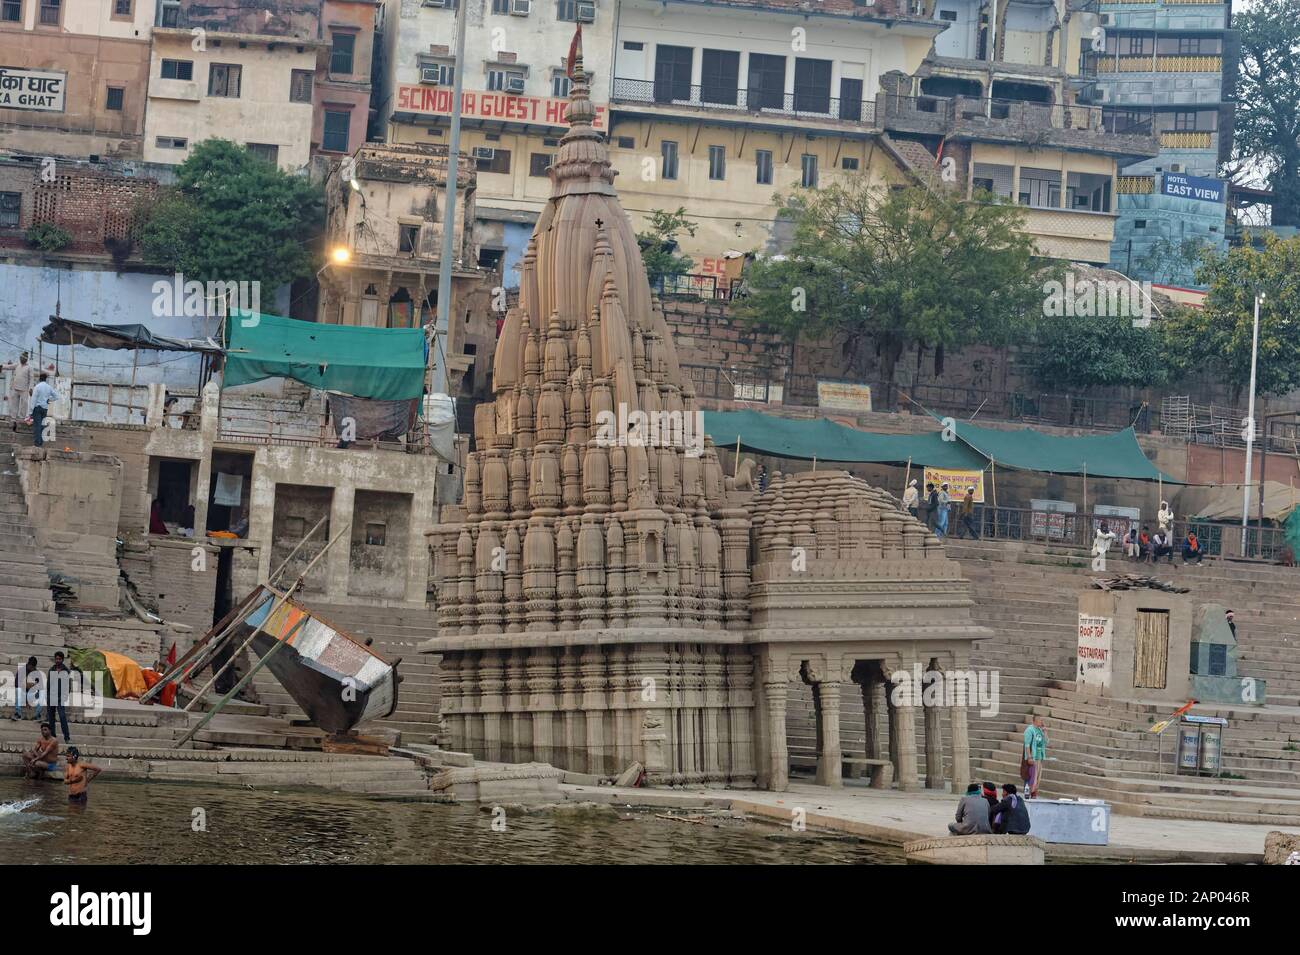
(32, 89)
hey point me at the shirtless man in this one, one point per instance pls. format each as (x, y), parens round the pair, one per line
(43, 757)
(78, 775)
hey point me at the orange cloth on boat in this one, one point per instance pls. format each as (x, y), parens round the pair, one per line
(224, 535)
(128, 676)
(168, 695)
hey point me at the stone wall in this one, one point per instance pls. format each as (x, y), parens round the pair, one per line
(172, 582)
(144, 643)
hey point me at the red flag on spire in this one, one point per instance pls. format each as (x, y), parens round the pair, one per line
(575, 51)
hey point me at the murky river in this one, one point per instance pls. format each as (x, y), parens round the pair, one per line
(155, 823)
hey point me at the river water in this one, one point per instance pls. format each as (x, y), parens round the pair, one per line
(159, 823)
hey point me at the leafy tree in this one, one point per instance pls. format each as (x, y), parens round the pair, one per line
(659, 244)
(1077, 352)
(232, 217)
(1169, 261)
(1216, 340)
(48, 237)
(883, 270)
(1267, 117)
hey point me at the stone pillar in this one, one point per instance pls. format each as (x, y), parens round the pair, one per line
(933, 748)
(960, 738)
(826, 696)
(775, 690)
(873, 708)
(905, 762)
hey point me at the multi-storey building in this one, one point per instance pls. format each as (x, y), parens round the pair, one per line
(73, 75)
(1168, 66)
(515, 97)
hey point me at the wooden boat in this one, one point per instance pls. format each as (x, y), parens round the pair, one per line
(335, 679)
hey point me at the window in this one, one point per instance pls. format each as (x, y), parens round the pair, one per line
(11, 11)
(668, 150)
(673, 72)
(223, 80)
(121, 8)
(720, 77)
(171, 142)
(504, 81)
(812, 85)
(626, 142)
(560, 84)
(440, 74)
(849, 162)
(11, 207)
(171, 15)
(1185, 120)
(500, 6)
(1139, 223)
(408, 239)
(342, 45)
(334, 137)
(265, 151)
(717, 162)
(763, 166)
(500, 162)
(949, 15)
(376, 534)
(538, 163)
(113, 100)
(1137, 45)
(300, 86)
(177, 70)
(567, 10)
(809, 164)
(50, 12)
(766, 81)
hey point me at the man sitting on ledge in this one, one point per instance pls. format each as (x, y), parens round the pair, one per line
(973, 814)
(1011, 815)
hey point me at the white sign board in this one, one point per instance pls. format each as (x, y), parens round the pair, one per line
(1095, 636)
(843, 395)
(32, 89)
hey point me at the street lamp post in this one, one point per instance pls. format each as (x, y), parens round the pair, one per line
(438, 347)
(1250, 426)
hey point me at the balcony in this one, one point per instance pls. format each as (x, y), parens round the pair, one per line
(743, 104)
(1135, 185)
(1164, 63)
(1186, 139)
(1013, 122)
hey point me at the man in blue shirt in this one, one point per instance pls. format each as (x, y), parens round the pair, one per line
(42, 395)
(1032, 756)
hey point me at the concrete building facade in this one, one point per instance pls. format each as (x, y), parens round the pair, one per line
(73, 76)
(1169, 66)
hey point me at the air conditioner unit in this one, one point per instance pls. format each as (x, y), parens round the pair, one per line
(586, 13)
(430, 75)
(514, 84)
(520, 8)
(484, 152)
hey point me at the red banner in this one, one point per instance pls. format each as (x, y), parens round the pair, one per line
(506, 107)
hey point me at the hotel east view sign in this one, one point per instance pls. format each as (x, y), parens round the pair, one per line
(504, 107)
(32, 89)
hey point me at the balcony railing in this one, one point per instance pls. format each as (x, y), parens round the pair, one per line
(1186, 139)
(1165, 63)
(806, 104)
(1135, 185)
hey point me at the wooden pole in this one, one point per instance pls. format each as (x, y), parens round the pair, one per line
(993, 473)
(269, 653)
(130, 395)
(814, 464)
(907, 474)
(735, 467)
(1085, 487)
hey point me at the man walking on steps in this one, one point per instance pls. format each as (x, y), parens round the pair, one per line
(42, 395)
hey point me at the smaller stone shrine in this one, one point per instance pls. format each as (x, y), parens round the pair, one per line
(1214, 676)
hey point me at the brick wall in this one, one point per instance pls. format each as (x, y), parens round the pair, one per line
(143, 643)
(164, 574)
(92, 206)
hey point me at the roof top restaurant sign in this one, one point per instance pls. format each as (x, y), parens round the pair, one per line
(504, 107)
(32, 89)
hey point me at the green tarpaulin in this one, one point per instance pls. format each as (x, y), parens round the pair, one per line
(1116, 455)
(382, 363)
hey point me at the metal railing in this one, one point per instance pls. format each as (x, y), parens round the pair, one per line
(711, 287)
(805, 103)
(261, 421)
(710, 381)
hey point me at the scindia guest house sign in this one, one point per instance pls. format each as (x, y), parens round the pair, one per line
(32, 89)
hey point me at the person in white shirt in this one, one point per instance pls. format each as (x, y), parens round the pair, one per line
(42, 395)
(20, 388)
(1165, 518)
(911, 497)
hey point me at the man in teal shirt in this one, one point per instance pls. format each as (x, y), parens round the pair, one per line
(1032, 756)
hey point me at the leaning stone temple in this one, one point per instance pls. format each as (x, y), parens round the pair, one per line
(602, 601)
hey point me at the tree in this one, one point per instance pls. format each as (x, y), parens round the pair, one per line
(1077, 352)
(886, 269)
(1216, 339)
(232, 217)
(1170, 261)
(1267, 119)
(659, 244)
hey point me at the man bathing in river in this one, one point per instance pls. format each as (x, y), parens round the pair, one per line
(78, 775)
(43, 757)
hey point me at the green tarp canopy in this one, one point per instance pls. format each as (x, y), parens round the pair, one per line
(1116, 455)
(382, 363)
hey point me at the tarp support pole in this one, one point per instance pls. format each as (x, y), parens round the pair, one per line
(907, 474)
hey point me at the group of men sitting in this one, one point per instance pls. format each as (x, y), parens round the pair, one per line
(981, 812)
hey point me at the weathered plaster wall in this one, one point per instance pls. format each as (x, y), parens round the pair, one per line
(381, 524)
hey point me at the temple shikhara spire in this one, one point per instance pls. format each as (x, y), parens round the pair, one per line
(605, 595)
